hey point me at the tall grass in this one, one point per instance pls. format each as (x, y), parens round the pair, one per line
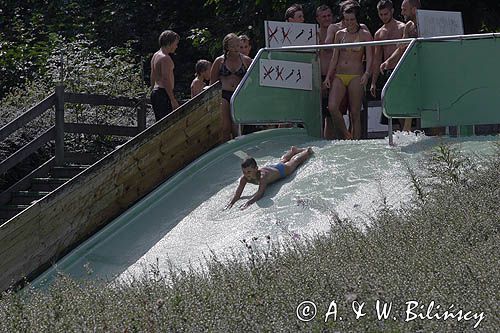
(441, 247)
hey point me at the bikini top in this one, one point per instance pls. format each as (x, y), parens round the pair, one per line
(356, 40)
(224, 71)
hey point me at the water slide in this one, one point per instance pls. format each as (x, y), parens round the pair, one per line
(183, 220)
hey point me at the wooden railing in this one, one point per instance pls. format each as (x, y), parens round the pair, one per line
(44, 232)
(56, 133)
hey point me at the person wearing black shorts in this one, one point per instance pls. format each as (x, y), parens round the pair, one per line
(162, 75)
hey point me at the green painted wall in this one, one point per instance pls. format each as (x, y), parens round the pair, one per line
(448, 83)
(255, 104)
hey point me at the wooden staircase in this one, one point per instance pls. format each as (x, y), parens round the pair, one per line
(70, 197)
(40, 183)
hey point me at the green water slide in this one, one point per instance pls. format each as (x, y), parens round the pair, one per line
(255, 103)
(447, 81)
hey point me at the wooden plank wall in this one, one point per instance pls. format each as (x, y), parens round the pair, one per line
(50, 228)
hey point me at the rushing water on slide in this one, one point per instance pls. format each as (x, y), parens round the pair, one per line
(184, 220)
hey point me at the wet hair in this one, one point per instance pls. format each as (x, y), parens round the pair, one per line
(385, 4)
(351, 7)
(290, 12)
(201, 66)
(248, 162)
(322, 8)
(167, 38)
(414, 3)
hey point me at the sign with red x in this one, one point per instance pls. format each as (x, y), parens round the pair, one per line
(279, 34)
(285, 74)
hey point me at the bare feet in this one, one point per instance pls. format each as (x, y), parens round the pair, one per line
(310, 150)
(291, 153)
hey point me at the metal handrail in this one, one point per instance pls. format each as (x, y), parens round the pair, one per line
(382, 42)
(389, 80)
(411, 41)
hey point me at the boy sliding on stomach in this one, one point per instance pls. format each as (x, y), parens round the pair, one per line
(268, 174)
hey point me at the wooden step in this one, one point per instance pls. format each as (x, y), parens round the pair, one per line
(69, 171)
(46, 184)
(27, 197)
(8, 211)
(80, 158)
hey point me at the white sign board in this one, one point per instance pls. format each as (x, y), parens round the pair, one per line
(285, 74)
(433, 23)
(279, 34)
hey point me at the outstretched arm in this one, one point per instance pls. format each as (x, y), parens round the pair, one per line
(397, 54)
(237, 195)
(256, 196)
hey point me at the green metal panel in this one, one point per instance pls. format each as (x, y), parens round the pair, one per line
(401, 98)
(448, 83)
(256, 104)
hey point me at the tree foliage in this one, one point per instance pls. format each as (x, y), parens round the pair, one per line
(30, 29)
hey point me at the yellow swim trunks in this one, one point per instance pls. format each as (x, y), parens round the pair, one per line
(346, 78)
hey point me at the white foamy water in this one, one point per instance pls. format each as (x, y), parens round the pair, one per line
(184, 219)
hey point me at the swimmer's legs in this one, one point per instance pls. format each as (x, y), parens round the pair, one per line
(292, 152)
(297, 159)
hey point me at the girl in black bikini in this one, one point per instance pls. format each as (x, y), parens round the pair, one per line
(229, 68)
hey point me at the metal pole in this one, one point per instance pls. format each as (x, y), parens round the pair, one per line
(389, 130)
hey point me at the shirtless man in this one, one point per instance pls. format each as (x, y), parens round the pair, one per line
(294, 13)
(392, 29)
(409, 12)
(162, 75)
(324, 17)
(268, 174)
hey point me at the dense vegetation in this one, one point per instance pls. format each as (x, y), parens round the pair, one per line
(442, 247)
(106, 46)
(31, 30)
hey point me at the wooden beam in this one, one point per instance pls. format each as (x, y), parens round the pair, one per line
(27, 150)
(94, 99)
(59, 125)
(54, 225)
(141, 114)
(100, 129)
(27, 116)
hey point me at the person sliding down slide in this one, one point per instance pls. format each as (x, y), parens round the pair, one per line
(268, 174)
